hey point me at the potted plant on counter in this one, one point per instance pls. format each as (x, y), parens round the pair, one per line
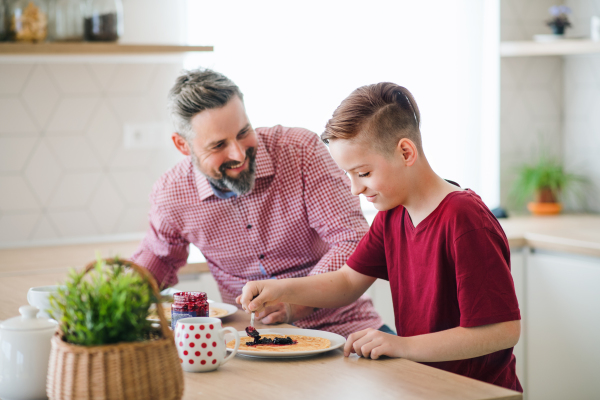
(106, 348)
(547, 182)
(559, 20)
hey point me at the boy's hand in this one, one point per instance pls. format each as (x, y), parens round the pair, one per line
(374, 344)
(257, 295)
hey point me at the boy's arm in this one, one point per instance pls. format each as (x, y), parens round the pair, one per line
(329, 290)
(453, 344)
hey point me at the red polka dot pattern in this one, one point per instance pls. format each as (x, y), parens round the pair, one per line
(208, 359)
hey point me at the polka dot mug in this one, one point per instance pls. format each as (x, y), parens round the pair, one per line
(201, 343)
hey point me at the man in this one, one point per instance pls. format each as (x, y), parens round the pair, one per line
(260, 204)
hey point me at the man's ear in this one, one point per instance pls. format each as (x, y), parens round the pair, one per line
(181, 144)
(408, 151)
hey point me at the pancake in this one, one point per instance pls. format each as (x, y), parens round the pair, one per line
(304, 343)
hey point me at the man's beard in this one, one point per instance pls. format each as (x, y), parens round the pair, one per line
(240, 185)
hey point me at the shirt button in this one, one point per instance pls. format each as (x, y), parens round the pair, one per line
(248, 226)
(261, 256)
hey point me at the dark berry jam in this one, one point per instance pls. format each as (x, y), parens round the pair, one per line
(253, 333)
(188, 304)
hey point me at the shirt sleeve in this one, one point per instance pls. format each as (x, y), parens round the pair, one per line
(163, 250)
(369, 257)
(485, 289)
(333, 212)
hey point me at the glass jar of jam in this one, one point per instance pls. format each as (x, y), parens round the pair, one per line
(188, 304)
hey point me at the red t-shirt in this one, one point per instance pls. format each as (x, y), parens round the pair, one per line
(452, 270)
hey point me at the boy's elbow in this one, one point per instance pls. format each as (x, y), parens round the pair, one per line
(513, 333)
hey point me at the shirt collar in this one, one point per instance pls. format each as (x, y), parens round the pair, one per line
(264, 168)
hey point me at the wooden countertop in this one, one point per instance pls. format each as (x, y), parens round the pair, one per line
(326, 376)
(571, 233)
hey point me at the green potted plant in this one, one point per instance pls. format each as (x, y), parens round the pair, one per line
(546, 181)
(106, 347)
(559, 20)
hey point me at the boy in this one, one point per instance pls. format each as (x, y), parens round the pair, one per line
(444, 253)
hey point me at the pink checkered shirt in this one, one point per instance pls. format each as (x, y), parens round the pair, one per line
(300, 219)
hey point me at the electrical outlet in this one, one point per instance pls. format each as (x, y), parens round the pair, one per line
(145, 135)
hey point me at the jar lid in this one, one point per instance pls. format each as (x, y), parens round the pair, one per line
(189, 296)
(28, 321)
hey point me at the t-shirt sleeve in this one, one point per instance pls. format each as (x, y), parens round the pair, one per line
(369, 256)
(485, 289)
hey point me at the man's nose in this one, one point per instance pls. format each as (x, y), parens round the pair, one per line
(237, 152)
(355, 187)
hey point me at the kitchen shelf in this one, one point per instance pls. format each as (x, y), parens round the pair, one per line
(562, 47)
(78, 48)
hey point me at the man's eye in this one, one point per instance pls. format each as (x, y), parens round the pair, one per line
(218, 146)
(243, 134)
(364, 175)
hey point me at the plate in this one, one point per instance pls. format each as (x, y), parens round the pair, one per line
(230, 309)
(336, 340)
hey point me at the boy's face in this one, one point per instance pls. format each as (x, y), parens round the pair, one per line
(379, 178)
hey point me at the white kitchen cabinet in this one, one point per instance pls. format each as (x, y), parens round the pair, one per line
(517, 262)
(562, 322)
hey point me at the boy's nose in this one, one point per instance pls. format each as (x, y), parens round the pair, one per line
(355, 187)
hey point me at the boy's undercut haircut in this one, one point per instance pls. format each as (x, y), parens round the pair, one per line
(378, 115)
(195, 91)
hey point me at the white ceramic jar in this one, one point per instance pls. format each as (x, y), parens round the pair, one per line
(24, 355)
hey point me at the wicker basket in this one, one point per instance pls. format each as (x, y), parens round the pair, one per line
(128, 371)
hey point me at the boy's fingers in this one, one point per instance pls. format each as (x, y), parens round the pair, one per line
(349, 346)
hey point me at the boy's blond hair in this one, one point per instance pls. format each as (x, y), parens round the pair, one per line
(378, 115)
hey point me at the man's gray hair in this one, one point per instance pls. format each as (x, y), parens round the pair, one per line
(195, 91)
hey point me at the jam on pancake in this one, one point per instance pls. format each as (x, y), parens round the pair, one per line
(253, 333)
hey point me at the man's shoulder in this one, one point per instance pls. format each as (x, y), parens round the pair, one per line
(280, 137)
(178, 183)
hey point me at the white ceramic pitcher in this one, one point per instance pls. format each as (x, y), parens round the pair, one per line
(24, 355)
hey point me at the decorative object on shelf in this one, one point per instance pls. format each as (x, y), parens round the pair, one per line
(595, 28)
(103, 20)
(66, 21)
(546, 181)
(106, 348)
(559, 20)
(28, 20)
(3, 25)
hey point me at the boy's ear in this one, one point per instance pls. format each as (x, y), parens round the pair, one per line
(408, 151)
(181, 144)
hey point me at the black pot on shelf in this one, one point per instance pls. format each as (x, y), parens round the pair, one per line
(558, 29)
(103, 20)
(3, 21)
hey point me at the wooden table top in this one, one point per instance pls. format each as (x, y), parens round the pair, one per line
(326, 376)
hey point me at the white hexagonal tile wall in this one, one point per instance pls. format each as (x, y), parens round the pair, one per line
(131, 78)
(104, 132)
(72, 115)
(17, 228)
(74, 78)
(133, 219)
(73, 224)
(102, 73)
(14, 152)
(74, 153)
(15, 119)
(40, 95)
(106, 206)
(134, 186)
(43, 172)
(13, 77)
(16, 195)
(74, 190)
(44, 230)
